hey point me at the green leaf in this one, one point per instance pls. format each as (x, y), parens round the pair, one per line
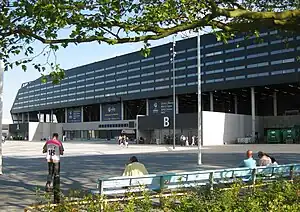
(24, 67)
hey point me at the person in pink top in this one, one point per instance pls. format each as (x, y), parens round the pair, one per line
(53, 149)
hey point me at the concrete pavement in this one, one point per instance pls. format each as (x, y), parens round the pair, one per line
(25, 168)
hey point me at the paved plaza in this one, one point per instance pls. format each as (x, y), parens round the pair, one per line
(25, 168)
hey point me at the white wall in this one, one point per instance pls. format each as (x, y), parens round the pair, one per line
(39, 130)
(220, 128)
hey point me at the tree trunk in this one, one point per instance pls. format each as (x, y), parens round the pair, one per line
(1, 109)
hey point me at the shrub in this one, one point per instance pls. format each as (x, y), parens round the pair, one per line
(280, 196)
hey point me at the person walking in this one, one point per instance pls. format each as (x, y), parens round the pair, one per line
(53, 149)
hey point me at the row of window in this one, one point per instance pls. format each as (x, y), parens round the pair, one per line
(249, 76)
(236, 68)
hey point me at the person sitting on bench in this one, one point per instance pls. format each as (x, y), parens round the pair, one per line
(135, 168)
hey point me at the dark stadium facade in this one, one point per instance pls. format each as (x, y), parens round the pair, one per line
(101, 99)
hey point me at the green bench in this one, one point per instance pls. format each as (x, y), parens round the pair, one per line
(173, 181)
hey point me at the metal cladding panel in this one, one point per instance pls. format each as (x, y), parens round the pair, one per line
(225, 67)
(183, 121)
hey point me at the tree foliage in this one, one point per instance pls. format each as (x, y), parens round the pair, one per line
(58, 23)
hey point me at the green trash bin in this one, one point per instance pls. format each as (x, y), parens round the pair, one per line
(274, 136)
(288, 135)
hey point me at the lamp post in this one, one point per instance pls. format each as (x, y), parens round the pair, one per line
(1, 109)
(174, 92)
(199, 99)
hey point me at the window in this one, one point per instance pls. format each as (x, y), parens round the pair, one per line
(121, 93)
(215, 80)
(256, 65)
(235, 49)
(257, 45)
(214, 44)
(147, 89)
(81, 92)
(134, 62)
(89, 91)
(81, 98)
(80, 80)
(72, 88)
(147, 82)
(162, 87)
(235, 59)
(179, 60)
(287, 71)
(179, 77)
(121, 65)
(79, 75)
(147, 74)
(90, 72)
(109, 68)
(133, 84)
(162, 71)
(134, 91)
(122, 72)
(214, 71)
(99, 89)
(89, 97)
(81, 86)
(280, 51)
(99, 70)
(99, 96)
(235, 78)
(149, 66)
(180, 68)
(134, 69)
(162, 64)
(236, 40)
(90, 85)
(110, 88)
(290, 60)
(192, 66)
(122, 86)
(235, 68)
(162, 56)
(258, 55)
(162, 79)
(191, 50)
(191, 58)
(100, 76)
(110, 81)
(111, 74)
(147, 59)
(99, 83)
(213, 53)
(122, 79)
(258, 75)
(180, 52)
(192, 75)
(90, 78)
(214, 62)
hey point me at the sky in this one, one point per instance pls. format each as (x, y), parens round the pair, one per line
(70, 57)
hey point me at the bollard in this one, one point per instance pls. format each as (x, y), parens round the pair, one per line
(56, 189)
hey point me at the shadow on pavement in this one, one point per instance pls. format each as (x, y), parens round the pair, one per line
(23, 176)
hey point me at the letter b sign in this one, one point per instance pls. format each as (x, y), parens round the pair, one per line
(166, 121)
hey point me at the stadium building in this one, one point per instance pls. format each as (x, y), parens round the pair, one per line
(247, 87)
